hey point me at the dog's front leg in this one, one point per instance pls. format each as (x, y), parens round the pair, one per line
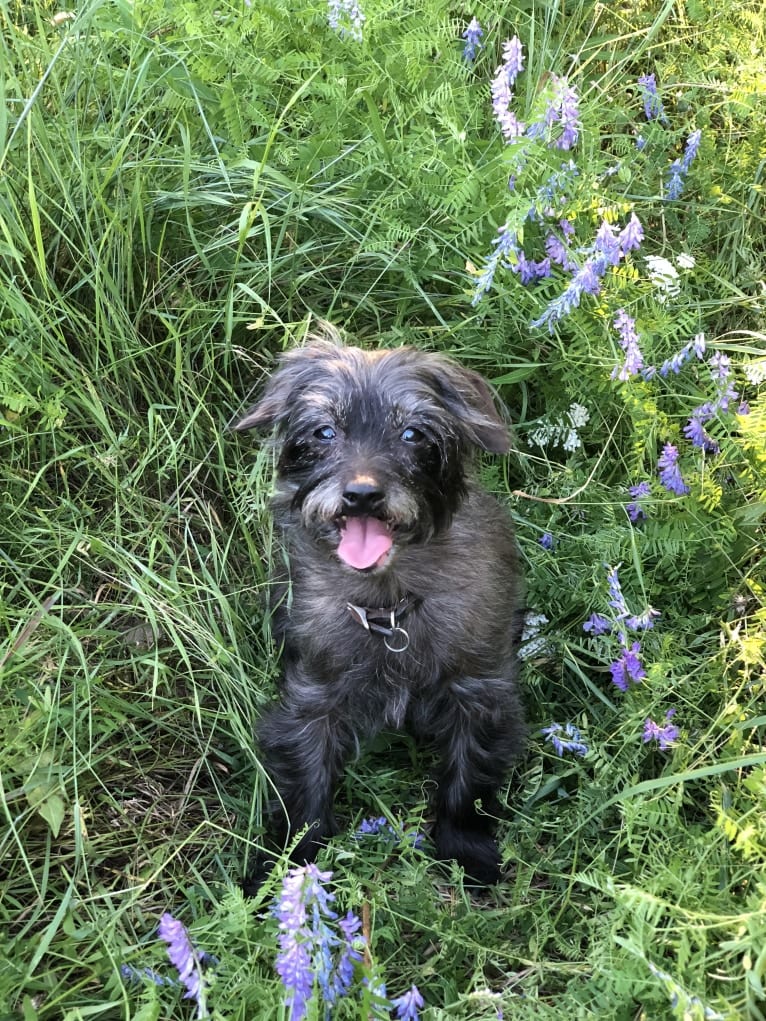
(304, 746)
(480, 733)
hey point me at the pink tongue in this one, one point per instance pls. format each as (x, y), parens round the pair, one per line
(363, 541)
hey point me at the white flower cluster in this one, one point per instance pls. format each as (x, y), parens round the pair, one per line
(561, 431)
(755, 372)
(346, 18)
(664, 275)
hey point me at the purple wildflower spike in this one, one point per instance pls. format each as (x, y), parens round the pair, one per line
(631, 235)
(597, 624)
(569, 741)
(502, 88)
(635, 509)
(183, 957)
(473, 44)
(626, 327)
(653, 108)
(408, 1005)
(628, 667)
(670, 473)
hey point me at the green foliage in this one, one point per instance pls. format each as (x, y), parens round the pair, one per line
(183, 187)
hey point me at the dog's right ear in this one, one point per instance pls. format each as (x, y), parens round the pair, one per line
(295, 373)
(273, 407)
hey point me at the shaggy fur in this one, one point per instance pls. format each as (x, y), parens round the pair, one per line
(377, 447)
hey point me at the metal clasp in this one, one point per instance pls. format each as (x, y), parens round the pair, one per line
(359, 614)
(401, 639)
(404, 638)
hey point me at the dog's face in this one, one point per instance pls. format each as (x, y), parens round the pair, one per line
(373, 445)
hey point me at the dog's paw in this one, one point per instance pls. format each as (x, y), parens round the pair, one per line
(475, 850)
(484, 868)
(257, 875)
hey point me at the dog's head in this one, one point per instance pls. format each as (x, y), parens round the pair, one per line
(373, 444)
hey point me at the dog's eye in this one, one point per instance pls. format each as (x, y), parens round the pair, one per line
(410, 435)
(326, 433)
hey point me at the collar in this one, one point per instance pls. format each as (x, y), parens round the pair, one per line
(386, 621)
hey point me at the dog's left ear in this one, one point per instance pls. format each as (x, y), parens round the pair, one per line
(468, 397)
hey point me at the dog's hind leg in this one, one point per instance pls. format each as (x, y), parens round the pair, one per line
(480, 734)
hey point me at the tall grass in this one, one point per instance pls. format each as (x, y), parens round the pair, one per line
(183, 188)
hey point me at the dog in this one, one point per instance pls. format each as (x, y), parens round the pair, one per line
(405, 602)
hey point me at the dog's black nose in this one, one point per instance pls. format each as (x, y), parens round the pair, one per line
(362, 498)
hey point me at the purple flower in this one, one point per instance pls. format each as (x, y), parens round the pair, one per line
(350, 954)
(674, 364)
(634, 361)
(588, 278)
(617, 600)
(305, 938)
(502, 88)
(308, 943)
(597, 624)
(695, 431)
(643, 621)
(529, 270)
(513, 58)
(408, 1005)
(372, 827)
(472, 36)
(635, 622)
(607, 250)
(635, 508)
(566, 103)
(628, 667)
(726, 394)
(666, 735)
(294, 967)
(674, 185)
(670, 473)
(692, 147)
(653, 109)
(558, 252)
(346, 18)
(505, 245)
(562, 108)
(720, 368)
(382, 827)
(184, 959)
(570, 742)
(607, 244)
(698, 345)
(631, 235)
(546, 541)
(585, 281)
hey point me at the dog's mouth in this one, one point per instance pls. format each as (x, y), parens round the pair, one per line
(365, 542)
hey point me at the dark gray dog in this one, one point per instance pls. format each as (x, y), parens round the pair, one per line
(405, 596)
